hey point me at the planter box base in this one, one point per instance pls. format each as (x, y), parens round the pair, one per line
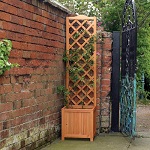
(78, 123)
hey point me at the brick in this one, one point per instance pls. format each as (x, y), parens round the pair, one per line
(5, 16)
(104, 93)
(107, 59)
(2, 90)
(17, 87)
(105, 82)
(4, 80)
(105, 88)
(19, 61)
(36, 78)
(34, 63)
(5, 107)
(29, 102)
(2, 32)
(16, 19)
(105, 105)
(13, 79)
(107, 40)
(26, 54)
(7, 88)
(10, 9)
(4, 116)
(107, 46)
(21, 71)
(21, 112)
(16, 54)
(4, 134)
(105, 112)
(20, 36)
(107, 76)
(17, 104)
(33, 55)
(28, 7)
(3, 98)
(10, 97)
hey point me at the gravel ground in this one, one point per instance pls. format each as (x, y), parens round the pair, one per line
(143, 118)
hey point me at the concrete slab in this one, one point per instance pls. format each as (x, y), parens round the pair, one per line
(103, 142)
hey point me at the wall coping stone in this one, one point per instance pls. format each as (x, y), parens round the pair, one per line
(58, 5)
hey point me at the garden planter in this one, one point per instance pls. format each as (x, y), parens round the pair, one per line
(78, 123)
(78, 119)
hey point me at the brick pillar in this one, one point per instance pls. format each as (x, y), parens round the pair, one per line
(104, 59)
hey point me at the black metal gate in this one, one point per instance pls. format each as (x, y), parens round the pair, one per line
(128, 70)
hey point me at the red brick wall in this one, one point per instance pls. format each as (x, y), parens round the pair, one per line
(104, 59)
(29, 105)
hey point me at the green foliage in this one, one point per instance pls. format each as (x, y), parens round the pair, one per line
(112, 15)
(82, 7)
(143, 97)
(5, 48)
(109, 14)
(62, 90)
(75, 69)
(143, 49)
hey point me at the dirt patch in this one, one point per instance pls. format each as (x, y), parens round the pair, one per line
(143, 118)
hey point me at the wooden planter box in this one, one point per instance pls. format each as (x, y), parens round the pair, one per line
(78, 123)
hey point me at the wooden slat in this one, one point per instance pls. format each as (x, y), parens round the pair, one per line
(79, 123)
(91, 24)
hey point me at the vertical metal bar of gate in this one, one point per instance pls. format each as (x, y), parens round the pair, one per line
(128, 70)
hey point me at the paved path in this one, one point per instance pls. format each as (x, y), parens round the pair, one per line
(143, 118)
(114, 141)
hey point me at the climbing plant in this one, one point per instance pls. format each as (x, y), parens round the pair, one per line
(5, 48)
(80, 59)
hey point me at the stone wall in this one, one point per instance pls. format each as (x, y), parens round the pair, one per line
(29, 104)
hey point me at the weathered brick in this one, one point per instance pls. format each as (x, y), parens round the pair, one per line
(29, 102)
(105, 82)
(5, 116)
(4, 80)
(16, 54)
(4, 134)
(5, 107)
(2, 33)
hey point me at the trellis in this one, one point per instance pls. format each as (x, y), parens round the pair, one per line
(80, 36)
(79, 116)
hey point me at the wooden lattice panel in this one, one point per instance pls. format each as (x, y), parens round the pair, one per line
(81, 65)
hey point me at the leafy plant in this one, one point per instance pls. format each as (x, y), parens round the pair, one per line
(143, 97)
(109, 15)
(75, 58)
(62, 90)
(5, 48)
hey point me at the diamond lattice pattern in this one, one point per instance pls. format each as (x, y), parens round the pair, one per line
(82, 88)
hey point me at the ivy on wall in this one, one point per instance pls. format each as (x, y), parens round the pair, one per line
(5, 48)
